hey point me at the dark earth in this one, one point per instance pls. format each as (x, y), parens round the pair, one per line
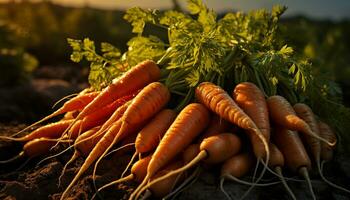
(40, 181)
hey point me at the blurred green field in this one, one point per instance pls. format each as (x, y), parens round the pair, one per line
(33, 35)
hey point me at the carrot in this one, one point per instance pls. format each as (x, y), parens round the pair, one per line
(187, 125)
(138, 173)
(147, 103)
(52, 130)
(221, 103)
(282, 113)
(293, 150)
(150, 135)
(252, 101)
(73, 104)
(217, 125)
(138, 77)
(34, 148)
(213, 150)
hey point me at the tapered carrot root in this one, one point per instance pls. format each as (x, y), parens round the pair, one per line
(145, 105)
(213, 150)
(34, 148)
(282, 113)
(75, 103)
(53, 130)
(187, 126)
(252, 101)
(138, 77)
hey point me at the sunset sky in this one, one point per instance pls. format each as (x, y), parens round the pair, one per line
(334, 9)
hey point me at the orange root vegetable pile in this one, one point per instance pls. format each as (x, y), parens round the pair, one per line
(136, 109)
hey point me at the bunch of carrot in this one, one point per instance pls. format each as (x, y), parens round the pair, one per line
(134, 109)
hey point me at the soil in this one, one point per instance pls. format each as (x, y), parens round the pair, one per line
(40, 181)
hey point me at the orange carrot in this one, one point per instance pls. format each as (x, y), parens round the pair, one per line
(252, 101)
(146, 104)
(34, 148)
(293, 150)
(187, 125)
(282, 113)
(52, 130)
(213, 150)
(138, 77)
